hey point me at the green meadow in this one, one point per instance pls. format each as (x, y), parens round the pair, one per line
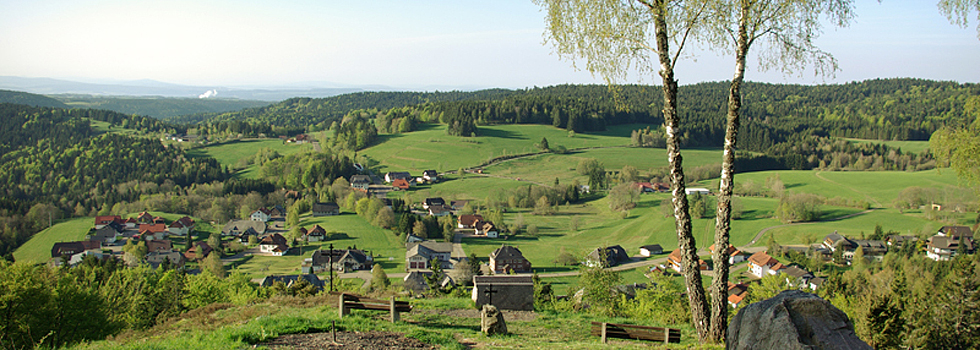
(38, 248)
(229, 153)
(905, 146)
(432, 148)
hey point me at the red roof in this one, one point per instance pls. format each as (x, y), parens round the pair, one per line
(400, 183)
(154, 228)
(763, 259)
(104, 220)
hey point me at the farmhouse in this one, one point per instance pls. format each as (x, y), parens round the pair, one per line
(873, 249)
(325, 209)
(486, 228)
(431, 202)
(736, 293)
(344, 260)
(182, 226)
(508, 259)
(107, 235)
(468, 221)
(606, 257)
(401, 184)
(158, 246)
(430, 176)
(674, 261)
(198, 251)
(734, 255)
(61, 249)
(261, 215)
(651, 249)
(418, 255)
(439, 210)
(391, 176)
(797, 276)
(761, 265)
(102, 221)
(360, 182)
(274, 244)
(944, 248)
(315, 234)
(155, 259)
(955, 232)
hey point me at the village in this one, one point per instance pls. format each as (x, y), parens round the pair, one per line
(156, 242)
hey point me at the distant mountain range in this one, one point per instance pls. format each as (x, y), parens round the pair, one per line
(49, 86)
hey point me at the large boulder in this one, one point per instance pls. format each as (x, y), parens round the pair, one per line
(492, 321)
(792, 320)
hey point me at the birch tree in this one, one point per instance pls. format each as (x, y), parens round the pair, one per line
(959, 11)
(786, 30)
(619, 37)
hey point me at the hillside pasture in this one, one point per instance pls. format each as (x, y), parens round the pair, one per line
(229, 153)
(432, 148)
(38, 248)
(905, 146)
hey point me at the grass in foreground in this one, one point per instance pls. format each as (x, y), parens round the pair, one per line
(224, 326)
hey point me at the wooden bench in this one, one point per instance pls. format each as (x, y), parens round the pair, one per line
(347, 302)
(628, 331)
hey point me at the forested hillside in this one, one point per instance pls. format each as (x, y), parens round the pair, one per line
(24, 98)
(157, 107)
(52, 162)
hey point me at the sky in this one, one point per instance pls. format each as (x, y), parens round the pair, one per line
(412, 45)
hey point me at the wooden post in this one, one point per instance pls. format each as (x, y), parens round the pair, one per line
(394, 313)
(342, 305)
(603, 332)
(666, 335)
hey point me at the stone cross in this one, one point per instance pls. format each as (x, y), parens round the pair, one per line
(489, 292)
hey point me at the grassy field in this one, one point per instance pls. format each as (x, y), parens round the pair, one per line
(38, 248)
(546, 167)
(906, 146)
(229, 153)
(432, 148)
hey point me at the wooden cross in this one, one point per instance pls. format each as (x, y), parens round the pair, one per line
(489, 292)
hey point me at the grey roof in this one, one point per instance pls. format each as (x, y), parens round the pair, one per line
(427, 248)
(797, 272)
(956, 231)
(360, 179)
(614, 255)
(325, 207)
(289, 280)
(507, 252)
(435, 201)
(243, 225)
(653, 247)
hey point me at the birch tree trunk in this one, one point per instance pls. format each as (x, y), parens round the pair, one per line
(685, 239)
(719, 284)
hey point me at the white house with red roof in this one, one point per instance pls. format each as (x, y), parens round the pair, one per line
(761, 265)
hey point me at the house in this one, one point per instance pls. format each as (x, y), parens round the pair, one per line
(360, 182)
(198, 251)
(391, 176)
(651, 249)
(468, 221)
(797, 276)
(735, 256)
(144, 218)
(401, 184)
(661, 186)
(761, 265)
(414, 281)
(316, 234)
(644, 186)
(486, 228)
(606, 257)
(736, 293)
(944, 248)
(261, 215)
(873, 249)
(247, 235)
(438, 210)
(155, 259)
(182, 226)
(107, 235)
(955, 232)
(430, 175)
(418, 255)
(290, 280)
(101, 221)
(411, 238)
(129, 223)
(697, 190)
(675, 259)
(325, 209)
(274, 244)
(237, 227)
(158, 246)
(77, 258)
(508, 258)
(344, 260)
(277, 212)
(900, 240)
(509, 292)
(458, 205)
(431, 202)
(153, 232)
(61, 249)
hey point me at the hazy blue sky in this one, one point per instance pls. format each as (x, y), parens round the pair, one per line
(406, 44)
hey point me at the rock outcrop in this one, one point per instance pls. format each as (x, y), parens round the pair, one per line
(792, 320)
(492, 321)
